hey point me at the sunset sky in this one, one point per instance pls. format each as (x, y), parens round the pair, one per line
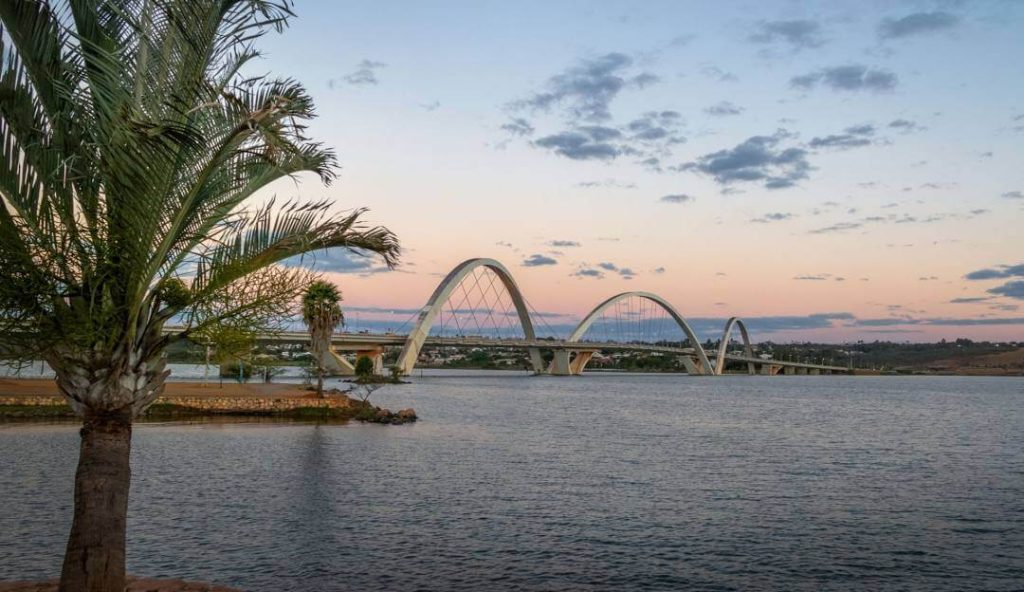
(827, 171)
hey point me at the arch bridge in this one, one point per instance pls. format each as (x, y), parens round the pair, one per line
(482, 292)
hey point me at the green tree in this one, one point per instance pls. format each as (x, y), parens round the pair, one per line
(321, 311)
(131, 142)
(364, 367)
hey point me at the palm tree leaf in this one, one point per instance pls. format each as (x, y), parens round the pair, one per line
(272, 234)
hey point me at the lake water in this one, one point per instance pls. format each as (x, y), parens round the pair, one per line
(599, 482)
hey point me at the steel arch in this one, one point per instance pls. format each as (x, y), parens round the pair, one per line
(588, 320)
(418, 335)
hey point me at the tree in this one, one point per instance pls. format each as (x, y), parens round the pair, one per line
(364, 367)
(131, 142)
(322, 314)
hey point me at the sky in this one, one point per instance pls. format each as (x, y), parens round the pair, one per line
(828, 171)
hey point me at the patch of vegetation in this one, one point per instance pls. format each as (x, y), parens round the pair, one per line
(886, 355)
(11, 412)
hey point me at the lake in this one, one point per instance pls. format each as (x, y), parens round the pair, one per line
(599, 482)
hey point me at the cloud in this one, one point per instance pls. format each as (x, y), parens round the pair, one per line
(624, 272)
(578, 146)
(818, 277)
(563, 243)
(852, 78)
(1013, 195)
(600, 133)
(712, 326)
(365, 73)
(337, 260)
(757, 159)
(1001, 271)
(916, 24)
(658, 270)
(1014, 289)
(658, 127)
(1004, 307)
(886, 322)
(677, 198)
(797, 34)
(538, 260)
(905, 126)
(431, 106)
(588, 273)
(723, 109)
(853, 137)
(518, 126)
(653, 131)
(716, 73)
(838, 227)
(975, 321)
(587, 89)
(773, 217)
(583, 95)
(969, 300)
(382, 310)
(606, 183)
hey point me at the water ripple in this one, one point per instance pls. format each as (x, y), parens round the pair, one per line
(605, 482)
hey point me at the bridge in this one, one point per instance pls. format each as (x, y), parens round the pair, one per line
(480, 296)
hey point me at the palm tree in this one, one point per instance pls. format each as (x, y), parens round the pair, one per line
(322, 314)
(131, 142)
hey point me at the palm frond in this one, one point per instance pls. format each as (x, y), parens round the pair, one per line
(131, 143)
(273, 234)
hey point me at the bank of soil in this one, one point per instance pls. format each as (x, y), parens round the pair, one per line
(22, 399)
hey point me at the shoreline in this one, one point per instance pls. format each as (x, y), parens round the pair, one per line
(27, 399)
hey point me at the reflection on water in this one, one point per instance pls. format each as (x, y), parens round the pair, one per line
(597, 482)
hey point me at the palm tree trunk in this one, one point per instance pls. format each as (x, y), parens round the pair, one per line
(320, 380)
(95, 556)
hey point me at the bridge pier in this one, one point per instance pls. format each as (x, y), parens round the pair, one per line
(580, 362)
(336, 365)
(376, 355)
(560, 363)
(815, 371)
(693, 366)
(565, 364)
(790, 370)
(770, 369)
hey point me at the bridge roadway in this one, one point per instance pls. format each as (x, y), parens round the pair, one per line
(368, 342)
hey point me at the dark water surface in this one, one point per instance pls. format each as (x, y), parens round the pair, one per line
(601, 482)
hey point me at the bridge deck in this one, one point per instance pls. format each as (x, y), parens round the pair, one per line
(362, 341)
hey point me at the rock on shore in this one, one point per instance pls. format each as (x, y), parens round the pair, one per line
(403, 416)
